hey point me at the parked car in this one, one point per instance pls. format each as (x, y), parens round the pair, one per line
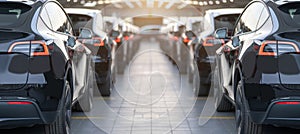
(205, 50)
(44, 70)
(258, 69)
(99, 44)
(189, 38)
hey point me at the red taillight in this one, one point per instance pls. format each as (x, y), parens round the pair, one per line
(99, 42)
(19, 103)
(126, 37)
(37, 48)
(186, 40)
(118, 40)
(273, 48)
(288, 103)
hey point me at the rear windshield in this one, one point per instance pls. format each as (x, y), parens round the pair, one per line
(226, 21)
(291, 13)
(115, 33)
(190, 34)
(80, 21)
(12, 13)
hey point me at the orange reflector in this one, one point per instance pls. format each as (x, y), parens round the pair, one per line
(288, 103)
(19, 103)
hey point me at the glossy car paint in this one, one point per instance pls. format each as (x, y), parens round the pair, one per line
(270, 80)
(39, 78)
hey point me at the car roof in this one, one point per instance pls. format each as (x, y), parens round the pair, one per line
(27, 2)
(224, 11)
(82, 11)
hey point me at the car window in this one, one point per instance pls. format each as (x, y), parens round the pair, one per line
(226, 21)
(12, 13)
(291, 14)
(249, 19)
(58, 18)
(80, 21)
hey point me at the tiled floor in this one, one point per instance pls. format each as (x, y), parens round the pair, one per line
(152, 96)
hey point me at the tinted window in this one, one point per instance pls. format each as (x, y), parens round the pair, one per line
(249, 18)
(80, 21)
(58, 18)
(12, 13)
(226, 21)
(115, 33)
(190, 34)
(291, 13)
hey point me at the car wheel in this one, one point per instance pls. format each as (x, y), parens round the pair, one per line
(203, 89)
(244, 123)
(62, 123)
(222, 104)
(105, 87)
(85, 104)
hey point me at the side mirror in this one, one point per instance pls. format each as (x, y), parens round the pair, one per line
(71, 41)
(85, 33)
(221, 33)
(235, 41)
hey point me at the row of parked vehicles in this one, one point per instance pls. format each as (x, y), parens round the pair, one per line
(250, 57)
(52, 59)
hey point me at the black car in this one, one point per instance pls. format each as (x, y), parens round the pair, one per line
(44, 71)
(99, 45)
(258, 70)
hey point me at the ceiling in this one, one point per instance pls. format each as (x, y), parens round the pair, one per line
(131, 8)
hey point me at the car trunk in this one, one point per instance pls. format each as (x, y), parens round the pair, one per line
(288, 65)
(14, 66)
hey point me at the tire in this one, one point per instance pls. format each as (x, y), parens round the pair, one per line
(222, 104)
(105, 87)
(62, 123)
(200, 88)
(203, 89)
(244, 123)
(85, 104)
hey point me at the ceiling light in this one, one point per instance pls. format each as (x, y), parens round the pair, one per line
(82, 2)
(100, 2)
(195, 2)
(201, 3)
(90, 4)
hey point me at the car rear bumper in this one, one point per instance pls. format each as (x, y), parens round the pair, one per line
(22, 111)
(279, 114)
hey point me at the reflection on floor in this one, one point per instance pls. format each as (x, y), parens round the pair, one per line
(151, 97)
